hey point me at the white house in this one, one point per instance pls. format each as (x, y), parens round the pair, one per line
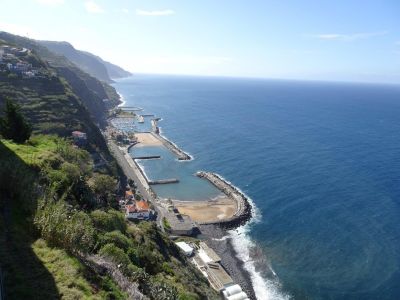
(138, 211)
(234, 292)
(185, 248)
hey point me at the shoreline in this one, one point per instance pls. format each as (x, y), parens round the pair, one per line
(215, 232)
(244, 208)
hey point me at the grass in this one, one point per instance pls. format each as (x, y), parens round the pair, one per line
(72, 279)
(166, 224)
(37, 150)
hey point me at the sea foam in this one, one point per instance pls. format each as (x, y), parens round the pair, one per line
(264, 288)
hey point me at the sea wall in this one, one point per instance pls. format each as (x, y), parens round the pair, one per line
(172, 147)
(244, 209)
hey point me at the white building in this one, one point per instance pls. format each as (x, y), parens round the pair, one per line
(185, 248)
(234, 292)
(138, 211)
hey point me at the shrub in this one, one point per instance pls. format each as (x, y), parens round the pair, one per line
(116, 238)
(188, 296)
(73, 231)
(108, 221)
(116, 255)
(167, 268)
(13, 125)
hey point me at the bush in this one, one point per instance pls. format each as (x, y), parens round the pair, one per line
(108, 221)
(61, 227)
(116, 238)
(116, 255)
(166, 224)
(104, 187)
(167, 269)
(13, 125)
(188, 296)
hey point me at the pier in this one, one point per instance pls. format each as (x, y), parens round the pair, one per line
(172, 147)
(130, 108)
(163, 181)
(243, 208)
(148, 157)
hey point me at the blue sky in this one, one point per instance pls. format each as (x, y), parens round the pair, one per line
(322, 40)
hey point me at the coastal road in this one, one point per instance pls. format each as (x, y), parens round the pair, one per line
(132, 172)
(129, 171)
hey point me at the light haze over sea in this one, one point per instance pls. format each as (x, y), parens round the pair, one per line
(321, 161)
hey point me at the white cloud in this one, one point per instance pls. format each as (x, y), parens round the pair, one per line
(125, 10)
(93, 8)
(50, 2)
(155, 13)
(347, 37)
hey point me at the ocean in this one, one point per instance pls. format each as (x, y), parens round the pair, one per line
(320, 161)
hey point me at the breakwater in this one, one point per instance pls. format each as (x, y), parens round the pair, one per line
(172, 147)
(148, 157)
(163, 181)
(243, 207)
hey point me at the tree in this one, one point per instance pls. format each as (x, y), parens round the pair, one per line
(104, 187)
(13, 125)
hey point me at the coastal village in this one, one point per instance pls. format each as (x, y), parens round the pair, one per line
(12, 60)
(140, 202)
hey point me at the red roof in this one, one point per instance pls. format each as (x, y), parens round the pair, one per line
(139, 206)
(142, 205)
(131, 208)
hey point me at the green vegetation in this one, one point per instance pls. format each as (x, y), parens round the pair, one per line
(13, 125)
(57, 215)
(65, 215)
(32, 268)
(72, 278)
(166, 224)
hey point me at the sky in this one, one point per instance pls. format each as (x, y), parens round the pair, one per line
(341, 40)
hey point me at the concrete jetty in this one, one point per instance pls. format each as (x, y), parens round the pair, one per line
(182, 155)
(163, 181)
(147, 157)
(172, 147)
(154, 126)
(243, 208)
(130, 108)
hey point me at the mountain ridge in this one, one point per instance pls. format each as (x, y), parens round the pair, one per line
(88, 62)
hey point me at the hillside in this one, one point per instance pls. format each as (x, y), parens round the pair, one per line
(89, 89)
(58, 216)
(88, 62)
(50, 223)
(114, 71)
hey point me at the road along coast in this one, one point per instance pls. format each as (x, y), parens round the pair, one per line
(215, 216)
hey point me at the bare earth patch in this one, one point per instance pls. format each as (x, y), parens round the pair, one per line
(218, 209)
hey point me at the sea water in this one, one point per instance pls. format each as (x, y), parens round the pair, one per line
(321, 161)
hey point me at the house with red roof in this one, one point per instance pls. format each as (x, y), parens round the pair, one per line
(140, 210)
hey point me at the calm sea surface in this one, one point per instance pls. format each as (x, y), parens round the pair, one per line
(321, 161)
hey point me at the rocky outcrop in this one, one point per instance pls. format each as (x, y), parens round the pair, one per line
(102, 266)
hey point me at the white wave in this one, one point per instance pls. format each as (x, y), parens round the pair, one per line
(122, 99)
(264, 289)
(222, 239)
